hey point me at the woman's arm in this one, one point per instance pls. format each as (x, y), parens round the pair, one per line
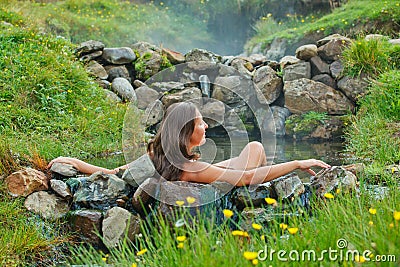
(84, 167)
(206, 173)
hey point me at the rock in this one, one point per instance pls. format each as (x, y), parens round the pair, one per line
(394, 41)
(145, 195)
(46, 205)
(330, 129)
(325, 79)
(119, 225)
(318, 66)
(124, 89)
(138, 83)
(117, 72)
(270, 84)
(173, 56)
(88, 224)
(150, 61)
(191, 93)
(243, 197)
(60, 188)
(276, 124)
(288, 60)
(91, 56)
(277, 49)
(153, 113)
(297, 71)
(113, 97)
(65, 170)
(96, 70)
(336, 69)
(304, 95)
(213, 113)
(167, 86)
(119, 56)
(104, 84)
(89, 47)
(139, 170)
(26, 181)
(100, 191)
(146, 96)
(288, 187)
(262, 216)
(332, 37)
(224, 88)
(243, 67)
(328, 180)
(202, 55)
(353, 88)
(306, 52)
(332, 50)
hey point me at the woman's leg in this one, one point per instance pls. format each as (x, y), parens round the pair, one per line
(252, 156)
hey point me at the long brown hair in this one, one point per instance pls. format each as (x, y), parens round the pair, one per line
(169, 148)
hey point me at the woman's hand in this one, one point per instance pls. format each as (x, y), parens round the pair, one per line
(305, 165)
(65, 160)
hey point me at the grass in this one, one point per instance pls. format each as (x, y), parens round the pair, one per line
(353, 18)
(370, 226)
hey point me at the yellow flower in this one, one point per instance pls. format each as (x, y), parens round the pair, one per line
(371, 223)
(270, 201)
(262, 237)
(240, 233)
(393, 169)
(255, 261)
(179, 202)
(338, 191)
(372, 211)
(396, 215)
(141, 252)
(181, 238)
(180, 245)
(391, 225)
(250, 255)
(134, 265)
(227, 213)
(104, 259)
(256, 226)
(328, 195)
(190, 200)
(293, 230)
(283, 226)
(359, 258)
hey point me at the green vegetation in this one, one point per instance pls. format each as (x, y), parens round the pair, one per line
(114, 22)
(371, 225)
(303, 125)
(353, 18)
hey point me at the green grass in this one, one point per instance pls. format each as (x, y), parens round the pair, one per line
(116, 23)
(209, 244)
(353, 18)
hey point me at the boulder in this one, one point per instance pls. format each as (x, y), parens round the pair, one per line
(191, 93)
(318, 66)
(48, 206)
(297, 71)
(145, 194)
(288, 187)
(89, 47)
(306, 52)
(63, 169)
(254, 197)
(119, 56)
(26, 181)
(60, 188)
(197, 55)
(139, 170)
(97, 70)
(117, 72)
(270, 84)
(87, 223)
(146, 96)
(353, 88)
(124, 89)
(332, 47)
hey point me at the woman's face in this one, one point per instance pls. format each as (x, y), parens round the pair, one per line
(198, 137)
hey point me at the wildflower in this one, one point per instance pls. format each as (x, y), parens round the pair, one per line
(250, 255)
(262, 237)
(104, 259)
(396, 215)
(256, 226)
(134, 265)
(328, 195)
(180, 245)
(371, 223)
(283, 226)
(141, 252)
(181, 238)
(359, 258)
(372, 211)
(270, 201)
(190, 200)
(338, 191)
(255, 261)
(179, 202)
(393, 169)
(69, 91)
(227, 213)
(391, 225)
(293, 230)
(240, 233)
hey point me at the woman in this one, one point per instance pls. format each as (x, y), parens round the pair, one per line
(171, 151)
